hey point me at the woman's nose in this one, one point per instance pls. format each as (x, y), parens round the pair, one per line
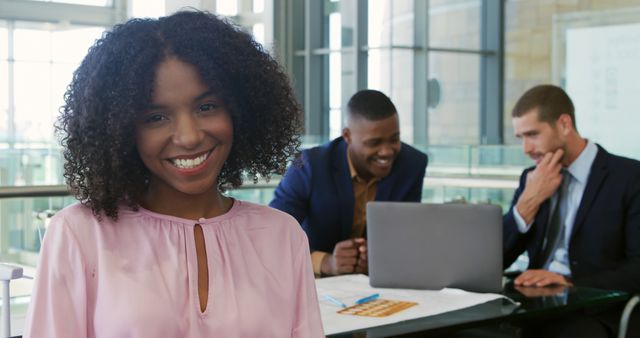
(187, 132)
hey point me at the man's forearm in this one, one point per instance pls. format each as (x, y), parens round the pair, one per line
(528, 207)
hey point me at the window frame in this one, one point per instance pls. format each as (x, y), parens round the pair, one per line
(301, 44)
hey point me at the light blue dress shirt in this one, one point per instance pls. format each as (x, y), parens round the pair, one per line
(578, 175)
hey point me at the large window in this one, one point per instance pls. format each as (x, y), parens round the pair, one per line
(391, 47)
(454, 66)
(4, 81)
(439, 61)
(39, 61)
(45, 56)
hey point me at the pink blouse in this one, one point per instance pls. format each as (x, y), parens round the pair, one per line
(137, 277)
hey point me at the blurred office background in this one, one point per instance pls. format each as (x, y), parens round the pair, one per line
(454, 69)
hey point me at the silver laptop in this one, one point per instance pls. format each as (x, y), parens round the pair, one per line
(433, 246)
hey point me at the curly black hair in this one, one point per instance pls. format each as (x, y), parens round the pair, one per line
(114, 84)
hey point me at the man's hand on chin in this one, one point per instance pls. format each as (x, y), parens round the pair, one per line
(542, 183)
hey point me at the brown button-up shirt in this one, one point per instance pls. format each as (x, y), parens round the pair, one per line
(363, 192)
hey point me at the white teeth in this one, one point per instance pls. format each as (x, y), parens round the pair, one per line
(190, 163)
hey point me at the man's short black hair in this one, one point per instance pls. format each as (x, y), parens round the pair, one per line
(371, 104)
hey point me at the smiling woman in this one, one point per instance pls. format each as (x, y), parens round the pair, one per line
(161, 116)
(183, 140)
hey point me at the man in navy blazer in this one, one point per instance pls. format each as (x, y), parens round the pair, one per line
(576, 213)
(326, 189)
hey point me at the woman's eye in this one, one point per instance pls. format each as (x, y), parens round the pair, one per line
(208, 106)
(151, 118)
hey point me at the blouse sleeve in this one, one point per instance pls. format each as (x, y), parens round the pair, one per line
(308, 322)
(58, 301)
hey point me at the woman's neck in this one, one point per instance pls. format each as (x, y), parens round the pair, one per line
(174, 203)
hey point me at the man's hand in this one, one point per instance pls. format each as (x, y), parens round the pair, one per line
(542, 182)
(540, 278)
(363, 264)
(349, 256)
(532, 291)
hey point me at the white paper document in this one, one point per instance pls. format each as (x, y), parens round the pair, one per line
(349, 288)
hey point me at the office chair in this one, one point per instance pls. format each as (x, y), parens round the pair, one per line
(624, 320)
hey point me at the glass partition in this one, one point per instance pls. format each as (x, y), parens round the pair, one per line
(455, 23)
(481, 160)
(24, 223)
(31, 166)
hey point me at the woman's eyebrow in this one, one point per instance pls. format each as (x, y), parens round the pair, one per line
(204, 95)
(153, 106)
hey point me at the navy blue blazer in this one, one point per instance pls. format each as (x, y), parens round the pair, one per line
(318, 192)
(604, 247)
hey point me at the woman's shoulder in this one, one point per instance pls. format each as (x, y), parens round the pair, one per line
(71, 229)
(73, 214)
(79, 219)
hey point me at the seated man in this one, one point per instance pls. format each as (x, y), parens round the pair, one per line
(577, 211)
(328, 188)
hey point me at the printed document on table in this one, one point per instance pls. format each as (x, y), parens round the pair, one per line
(350, 288)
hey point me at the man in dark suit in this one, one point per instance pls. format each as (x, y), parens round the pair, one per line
(576, 212)
(328, 188)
